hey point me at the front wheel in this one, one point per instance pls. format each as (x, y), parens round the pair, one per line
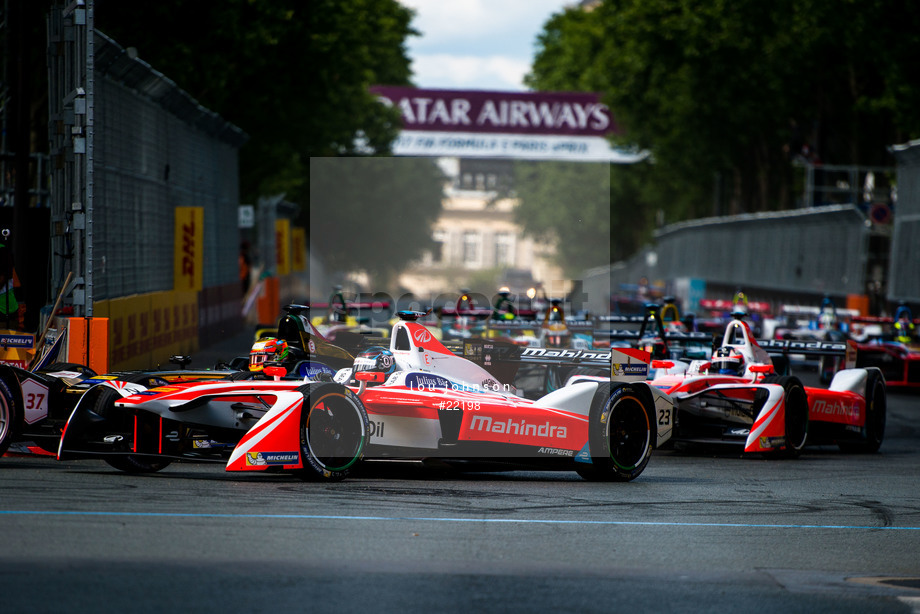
(795, 402)
(876, 413)
(104, 405)
(334, 431)
(620, 434)
(9, 417)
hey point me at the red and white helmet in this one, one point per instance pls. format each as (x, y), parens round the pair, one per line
(728, 361)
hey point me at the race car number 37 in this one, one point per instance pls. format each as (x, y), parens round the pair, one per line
(34, 401)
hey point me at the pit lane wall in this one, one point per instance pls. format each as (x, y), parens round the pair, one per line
(804, 252)
(142, 331)
(903, 280)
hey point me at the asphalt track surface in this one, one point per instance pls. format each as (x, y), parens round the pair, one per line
(828, 532)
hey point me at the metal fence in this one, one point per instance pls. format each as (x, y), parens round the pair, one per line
(147, 162)
(810, 250)
(129, 147)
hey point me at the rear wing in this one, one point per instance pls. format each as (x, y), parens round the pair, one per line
(846, 349)
(650, 324)
(652, 321)
(623, 364)
(634, 335)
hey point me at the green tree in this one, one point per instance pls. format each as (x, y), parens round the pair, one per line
(725, 94)
(566, 204)
(292, 74)
(373, 214)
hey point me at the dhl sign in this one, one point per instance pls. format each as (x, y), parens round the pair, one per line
(298, 249)
(188, 248)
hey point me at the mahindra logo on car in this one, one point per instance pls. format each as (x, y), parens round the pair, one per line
(517, 427)
(837, 408)
(422, 336)
(566, 354)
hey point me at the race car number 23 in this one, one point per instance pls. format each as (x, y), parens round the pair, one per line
(664, 417)
(34, 401)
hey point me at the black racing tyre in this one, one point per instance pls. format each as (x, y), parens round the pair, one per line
(334, 431)
(620, 434)
(10, 417)
(876, 415)
(796, 414)
(103, 405)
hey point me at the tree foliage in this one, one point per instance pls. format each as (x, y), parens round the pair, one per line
(292, 74)
(594, 213)
(373, 214)
(566, 204)
(726, 94)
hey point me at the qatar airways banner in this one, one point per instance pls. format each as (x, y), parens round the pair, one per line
(525, 125)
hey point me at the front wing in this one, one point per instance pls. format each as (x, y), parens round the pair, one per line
(751, 415)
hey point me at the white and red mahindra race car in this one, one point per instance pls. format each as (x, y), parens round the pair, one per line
(737, 398)
(415, 399)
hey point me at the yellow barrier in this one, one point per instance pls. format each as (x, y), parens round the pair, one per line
(139, 331)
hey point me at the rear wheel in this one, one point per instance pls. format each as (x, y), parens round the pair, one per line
(116, 420)
(334, 431)
(620, 435)
(9, 417)
(795, 415)
(876, 413)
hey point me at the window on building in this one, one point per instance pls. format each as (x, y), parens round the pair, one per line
(439, 252)
(504, 249)
(472, 248)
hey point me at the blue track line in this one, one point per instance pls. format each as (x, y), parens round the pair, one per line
(473, 520)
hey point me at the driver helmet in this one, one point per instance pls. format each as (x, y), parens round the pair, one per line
(376, 359)
(267, 350)
(728, 361)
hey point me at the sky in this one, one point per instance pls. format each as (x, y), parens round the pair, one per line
(476, 44)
